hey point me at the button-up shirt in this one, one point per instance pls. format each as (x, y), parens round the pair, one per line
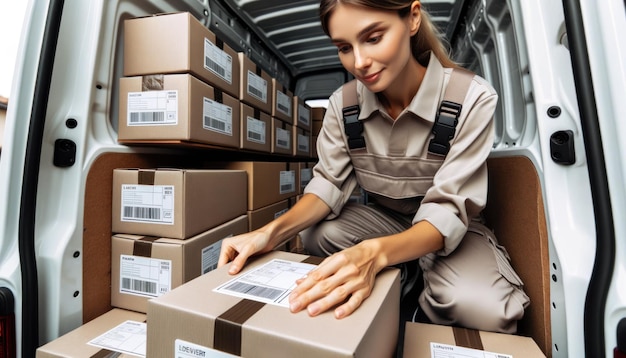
(395, 167)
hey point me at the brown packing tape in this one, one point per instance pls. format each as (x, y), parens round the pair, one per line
(143, 246)
(145, 177)
(258, 70)
(219, 43)
(152, 83)
(257, 113)
(219, 96)
(228, 325)
(468, 338)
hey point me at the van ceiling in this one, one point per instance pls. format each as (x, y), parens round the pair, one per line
(291, 29)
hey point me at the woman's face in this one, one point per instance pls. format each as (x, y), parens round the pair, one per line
(373, 45)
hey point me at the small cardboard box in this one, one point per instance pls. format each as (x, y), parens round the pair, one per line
(195, 313)
(419, 336)
(256, 85)
(176, 108)
(75, 344)
(282, 105)
(302, 114)
(256, 127)
(176, 203)
(302, 142)
(144, 267)
(258, 218)
(268, 182)
(282, 137)
(179, 43)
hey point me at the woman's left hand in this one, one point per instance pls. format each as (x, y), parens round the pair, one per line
(345, 279)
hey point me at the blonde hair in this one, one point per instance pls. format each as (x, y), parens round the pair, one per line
(428, 38)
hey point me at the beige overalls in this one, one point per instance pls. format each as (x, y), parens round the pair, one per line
(470, 282)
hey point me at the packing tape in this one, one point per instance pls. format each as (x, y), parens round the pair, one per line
(152, 83)
(143, 246)
(228, 325)
(145, 177)
(468, 338)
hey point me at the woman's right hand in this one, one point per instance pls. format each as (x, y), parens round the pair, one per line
(239, 248)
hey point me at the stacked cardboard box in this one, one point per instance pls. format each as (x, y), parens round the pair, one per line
(250, 326)
(181, 83)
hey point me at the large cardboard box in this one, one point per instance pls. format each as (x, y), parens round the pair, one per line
(144, 267)
(176, 203)
(282, 137)
(301, 142)
(302, 114)
(180, 107)
(75, 344)
(197, 314)
(282, 104)
(268, 182)
(258, 218)
(418, 338)
(179, 43)
(256, 85)
(256, 127)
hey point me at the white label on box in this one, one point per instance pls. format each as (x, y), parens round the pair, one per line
(256, 130)
(217, 117)
(145, 276)
(283, 139)
(148, 203)
(128, 337)
(271, 283)
(287, 181)
(218, 61)
(257, 86)
(305, 176)
(152, 108)
(304, 115)
(303, 143)
(440, 350)
(183, 349)
(283, 103)
(210, 256)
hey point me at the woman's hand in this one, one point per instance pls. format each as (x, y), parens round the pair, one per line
(239, 248)
(345, 279)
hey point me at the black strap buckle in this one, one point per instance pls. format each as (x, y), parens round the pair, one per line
(444, 127)
(353, 127)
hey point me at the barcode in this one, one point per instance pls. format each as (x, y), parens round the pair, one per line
(255, 92)
(254, 135)
(257, 291)
(283, 108)
(214, 123)
(285, 188)
(142, 117)
(210, 268)
(303, 147)
(282, 143)
(141, 212)
(213, 66)
(139, 285)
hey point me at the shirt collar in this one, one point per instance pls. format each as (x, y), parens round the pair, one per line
(425, 102)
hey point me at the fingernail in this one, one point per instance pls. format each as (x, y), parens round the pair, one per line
(313, 310)
(294, 306)
(339, 313)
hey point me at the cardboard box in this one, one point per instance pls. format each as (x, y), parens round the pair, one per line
(256, 127)
(75, 344)
(176, 203)
(256, 85)
(302, 114)
(195, 313)
(268, 182)
(282, 103)
(418, 338)
(179, 43)
(282, 137)
(176, 108)
(317, 113)
(258, 218)
(144, 267)
(301, 142)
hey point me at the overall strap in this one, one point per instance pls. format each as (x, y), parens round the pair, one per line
(352, 126)
(449, 110)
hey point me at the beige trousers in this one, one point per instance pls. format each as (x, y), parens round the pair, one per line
(473, 287)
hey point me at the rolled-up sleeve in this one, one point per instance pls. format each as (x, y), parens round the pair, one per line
(333, 176)
(459, 190)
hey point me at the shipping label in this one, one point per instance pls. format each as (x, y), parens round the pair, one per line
(218, 61)
(210, 256)
(256, 130)
(283, 103)
(145, 276)
(304, 115)
(257, 86)
(440, 350)
(283, 138)
(184, 349)
(287, 182)
(129, 337)
(303, 143)
(152, 108)
(218, 117)
(148, 203)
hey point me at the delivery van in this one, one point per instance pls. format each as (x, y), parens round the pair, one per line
(557, 170)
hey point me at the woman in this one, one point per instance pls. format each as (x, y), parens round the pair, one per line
(422, 204)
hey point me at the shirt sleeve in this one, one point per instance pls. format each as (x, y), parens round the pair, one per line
(459, 191)
(333, 176)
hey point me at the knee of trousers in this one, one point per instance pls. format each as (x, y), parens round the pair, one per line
(497, 308)
(325, 238)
